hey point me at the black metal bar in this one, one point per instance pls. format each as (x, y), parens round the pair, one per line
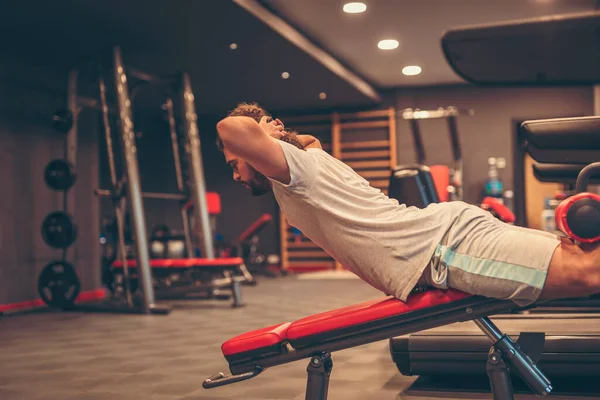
(514, 357)
(419, 148)
(585, 174)
(458, 311)
(454, 139)
(499, 377)
(133, 181)
(220, 379)
(141, 75)
(488, 327)
(318, 371)
(524, 366)
(197, 182)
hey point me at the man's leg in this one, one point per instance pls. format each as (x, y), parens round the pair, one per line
(483, 256)
(573, 272)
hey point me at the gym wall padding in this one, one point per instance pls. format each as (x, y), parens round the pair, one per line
(363, 140)
(490, 131)
(28, 97)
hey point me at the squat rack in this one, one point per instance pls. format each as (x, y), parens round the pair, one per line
(128, 186)
(450, 114)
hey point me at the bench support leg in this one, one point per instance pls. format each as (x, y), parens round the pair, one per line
(506, 354)
(499, 376)
(236, 290)
(319, 369)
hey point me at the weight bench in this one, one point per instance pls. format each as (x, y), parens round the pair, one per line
(317, 336)
(163, 268)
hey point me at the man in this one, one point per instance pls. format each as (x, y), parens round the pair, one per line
(390, 246)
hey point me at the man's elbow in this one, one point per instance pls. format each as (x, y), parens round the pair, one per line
(224, 130)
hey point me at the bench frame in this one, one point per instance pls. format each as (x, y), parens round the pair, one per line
(504, 353)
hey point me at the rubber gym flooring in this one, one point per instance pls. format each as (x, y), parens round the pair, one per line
(68, 356)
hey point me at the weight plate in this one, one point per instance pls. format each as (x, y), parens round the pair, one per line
(58, 285)
(59, 230)
(60, 175)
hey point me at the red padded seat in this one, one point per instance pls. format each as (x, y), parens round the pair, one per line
(185, 263)
(253, 340)
(369, 311)
(269, 341)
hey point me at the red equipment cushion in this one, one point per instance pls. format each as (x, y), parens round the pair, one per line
(257, 339)
(500, 209)
(441, 178)
(561, 212)
(370, 311)
(336, 319)
(185, 263)
(213, 203)
(259, 223)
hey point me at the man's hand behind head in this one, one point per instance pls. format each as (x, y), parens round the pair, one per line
(272, 127)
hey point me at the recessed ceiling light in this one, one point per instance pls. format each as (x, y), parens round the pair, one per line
(285, 75)
(322, 95)
(411, 70)
(355, 7)
(388, 44)
(233, 46)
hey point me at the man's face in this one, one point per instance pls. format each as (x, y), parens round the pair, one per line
(246, 175)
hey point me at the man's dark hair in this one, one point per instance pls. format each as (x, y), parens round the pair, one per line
(256, 112)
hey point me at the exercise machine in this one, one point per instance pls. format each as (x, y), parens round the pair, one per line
(58, 280)
(413, 185)
(571, 326)
(562, 147)
(448, 180)
(248, 247)
(186, 273)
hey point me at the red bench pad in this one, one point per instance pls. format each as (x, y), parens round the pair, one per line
(185, 263)
(260, 342)
(368, 312)
(257, 225)
(273, 335)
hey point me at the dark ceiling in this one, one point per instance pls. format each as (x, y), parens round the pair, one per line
(163, 37)
(417, 25)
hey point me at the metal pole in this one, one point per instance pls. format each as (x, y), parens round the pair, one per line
(198, 188)
(457, 167)
(133, 181)
(419, 148)
(488, 327)
(119, 207)
(596, 99)
(71, 142)
(178, 174)
(72, 105)
(146, 195)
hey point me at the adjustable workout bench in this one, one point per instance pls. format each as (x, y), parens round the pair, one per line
(162, 269)
(317, 336)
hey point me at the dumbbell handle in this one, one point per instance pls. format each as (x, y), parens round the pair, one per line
(585, 174)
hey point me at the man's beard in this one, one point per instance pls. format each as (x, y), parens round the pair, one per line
(259, 184)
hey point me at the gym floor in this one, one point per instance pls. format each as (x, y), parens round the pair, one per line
(68, 356)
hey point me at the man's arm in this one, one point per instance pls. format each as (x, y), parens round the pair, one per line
(309, 141)
(243, 137)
